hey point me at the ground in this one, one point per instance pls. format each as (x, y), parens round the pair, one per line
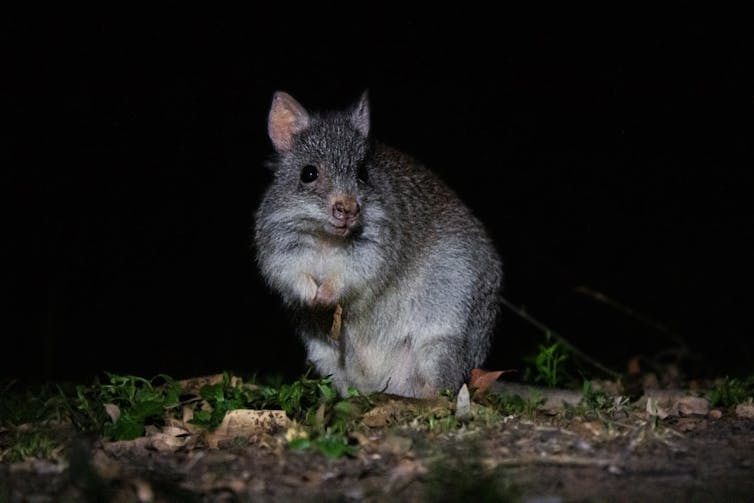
(676, 448)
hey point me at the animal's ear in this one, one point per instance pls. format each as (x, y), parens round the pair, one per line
(360, 114)
(287, 117)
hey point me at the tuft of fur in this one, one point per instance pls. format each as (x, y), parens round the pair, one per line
(413, 275)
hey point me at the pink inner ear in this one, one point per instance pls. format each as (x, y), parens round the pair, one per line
(360, 115)
(287, 117)
(282, 127)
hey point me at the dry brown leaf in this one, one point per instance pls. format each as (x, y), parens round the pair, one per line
(483, 379)
(378, 417)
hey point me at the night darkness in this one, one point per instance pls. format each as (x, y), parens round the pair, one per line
(600, 156)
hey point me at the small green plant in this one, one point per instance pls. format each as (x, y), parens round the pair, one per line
(515, 404)
(334, 444)
(301, 398)
(441, 424)
(29, 404)
(548, 363)
(732, 391)
(593, 399)
(653, 414)
(312, 402)
(598, 404)
(223, 397)
(121, 407)
(28, 444)
(329, 443)
(316, 404)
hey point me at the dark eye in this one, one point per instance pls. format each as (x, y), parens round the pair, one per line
(309, 174)
(362, 173)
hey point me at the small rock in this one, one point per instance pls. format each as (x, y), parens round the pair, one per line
(144, 492)
(614, 470)
(745, 410)
(693, 405)
(715, 414)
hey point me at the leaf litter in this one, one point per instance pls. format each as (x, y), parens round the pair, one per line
(217, 438)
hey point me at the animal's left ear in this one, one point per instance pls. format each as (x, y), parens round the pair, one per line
(360, 114)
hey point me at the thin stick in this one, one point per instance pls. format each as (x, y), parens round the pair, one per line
(618, 306)
(560, 460)
(570, 347)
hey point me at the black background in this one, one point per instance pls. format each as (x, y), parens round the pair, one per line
(612, 156)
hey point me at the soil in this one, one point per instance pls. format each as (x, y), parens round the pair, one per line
(691, 455)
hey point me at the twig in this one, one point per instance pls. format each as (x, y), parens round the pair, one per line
(570, 347)
(632, 313)
(9, 385)
(560, 460)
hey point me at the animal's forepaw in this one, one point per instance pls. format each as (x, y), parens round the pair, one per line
(327, 294)
(307, 288)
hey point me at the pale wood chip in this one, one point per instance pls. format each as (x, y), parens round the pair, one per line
(337, 323)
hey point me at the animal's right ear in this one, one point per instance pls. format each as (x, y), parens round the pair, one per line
(287, 117)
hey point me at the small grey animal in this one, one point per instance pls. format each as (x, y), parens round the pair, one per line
(393, 283)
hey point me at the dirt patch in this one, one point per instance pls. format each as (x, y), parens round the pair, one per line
(546, 457)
